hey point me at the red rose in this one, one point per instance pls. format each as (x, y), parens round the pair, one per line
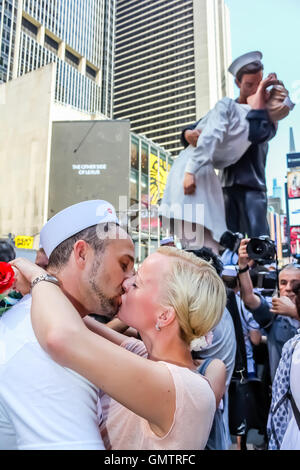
(7, 276)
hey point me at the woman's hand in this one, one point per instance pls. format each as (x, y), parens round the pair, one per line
(189, 183)
(25, 273)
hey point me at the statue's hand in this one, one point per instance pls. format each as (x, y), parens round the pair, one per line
(192, 136)
(189, 183)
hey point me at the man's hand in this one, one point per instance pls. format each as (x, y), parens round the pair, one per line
(260, 98)
(270, 80)
(284, 306)
(249, 297)
(192, 136)
(244, 259)
(189, 183)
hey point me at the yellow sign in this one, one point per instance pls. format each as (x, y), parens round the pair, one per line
(24, 242)
(158, 178)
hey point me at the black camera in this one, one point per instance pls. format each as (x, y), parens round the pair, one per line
(264, 279)
(231, 240)
(262, 249)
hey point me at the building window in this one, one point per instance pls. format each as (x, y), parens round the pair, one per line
(91, 73)
(51, 44)
(134, 155)
(71, 59)
(29, 28)
(145, 159)
(134, 188)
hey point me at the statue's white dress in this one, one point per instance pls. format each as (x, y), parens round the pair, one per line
(222, 142)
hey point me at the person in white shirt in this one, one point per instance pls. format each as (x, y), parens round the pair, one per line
(42, 404)
(153, 396)
(252, 334)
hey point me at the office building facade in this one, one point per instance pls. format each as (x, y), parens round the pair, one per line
(52, 159)
(76, 34)
(171, 61)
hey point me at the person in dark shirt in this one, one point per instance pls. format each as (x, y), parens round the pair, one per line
(278, 315)
(244, 183)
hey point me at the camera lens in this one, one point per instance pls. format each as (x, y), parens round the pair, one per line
(258, 249)
(261, 249)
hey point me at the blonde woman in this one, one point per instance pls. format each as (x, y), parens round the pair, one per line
(152, 397)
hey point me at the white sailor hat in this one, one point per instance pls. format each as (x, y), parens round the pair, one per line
(229, 270)
(73, 219)
(243, 60)
(165, 241)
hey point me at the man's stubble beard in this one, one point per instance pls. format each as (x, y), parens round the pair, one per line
(108, 306)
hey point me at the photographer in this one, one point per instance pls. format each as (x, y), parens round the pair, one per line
(279, 318)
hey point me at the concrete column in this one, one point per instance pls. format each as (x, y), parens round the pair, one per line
(82, 65)
(62, 50)
(99, 78)
(202, 84)
(41, 35)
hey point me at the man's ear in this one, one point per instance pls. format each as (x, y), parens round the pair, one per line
(238, 84)
(80, 252)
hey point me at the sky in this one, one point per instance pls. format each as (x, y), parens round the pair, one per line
(272, 27)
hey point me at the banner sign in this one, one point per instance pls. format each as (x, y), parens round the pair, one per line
(294, 212)
(24, 242)
(293, 184)
(295, 240)
(293, 159)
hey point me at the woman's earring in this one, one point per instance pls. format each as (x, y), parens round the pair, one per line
(157, 326)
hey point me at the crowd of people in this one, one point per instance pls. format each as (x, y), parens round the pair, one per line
(168, 362)
(185, 353)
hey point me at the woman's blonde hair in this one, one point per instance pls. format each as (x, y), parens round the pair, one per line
(195, 291)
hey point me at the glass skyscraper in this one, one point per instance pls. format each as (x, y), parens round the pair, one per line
(171, 64)
(76, 34)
